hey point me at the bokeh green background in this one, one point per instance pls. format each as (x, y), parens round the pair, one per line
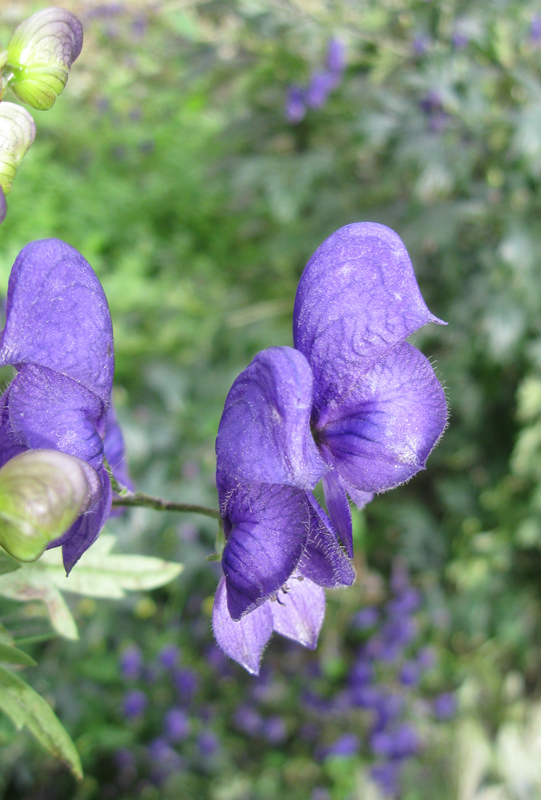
(169, 163)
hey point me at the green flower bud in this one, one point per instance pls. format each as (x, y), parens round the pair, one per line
(42, 493)
(17, 131)
(40, 54)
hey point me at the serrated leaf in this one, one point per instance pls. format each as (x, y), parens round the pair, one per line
(17, 132)
(97, 574)
(10, 654)
(28, 709)
(40, 55)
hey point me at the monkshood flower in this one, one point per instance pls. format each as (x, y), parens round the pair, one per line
(58, 336)
(353, 405)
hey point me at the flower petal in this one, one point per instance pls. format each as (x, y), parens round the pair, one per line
(264, 433)
(115, 452)
(357, 298)
(266, 528)
(48, 410)
(242, 640)
(339, 510)
(57, 317)
(359, 497)
(384, 431)
(10, 443)
(323, 560)
(86, 529)
(299, 614)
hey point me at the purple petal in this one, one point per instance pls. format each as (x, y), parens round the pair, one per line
(57, 317)
(323, 560)
(266, 528)
(384, 431)
(264, 433)
(359, 498)
(3, 206)
(243, 640)
(339, 510)
(10, 444)
(336, 56)
(319, 88)
(299, 614)
(357, 298)
(114, 448)
(48, 410)
(295, 108)
(86, 529)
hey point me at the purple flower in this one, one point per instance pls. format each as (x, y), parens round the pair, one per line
(295, 109)
(353, 405)
(274, 730)
(426, 658)
(336, 56)
(410, 673)
(168, 656)
(445, 706)
(366, 618)
(387, 777)
(535, 29)
(248, 720)
(58, 336)
(131, 662)
(135, 703)
(208, 744)
(345, 746)
(185, 681)
(3, 206)
(176, 725)
(320, 86)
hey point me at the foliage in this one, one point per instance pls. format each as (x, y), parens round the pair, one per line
(171, 166)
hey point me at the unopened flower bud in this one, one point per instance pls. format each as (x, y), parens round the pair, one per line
(40, 55)
(17, 132)
(42, 493)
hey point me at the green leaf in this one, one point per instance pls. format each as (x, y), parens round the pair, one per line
(12, 655)
(97, 574)
(17, 132)
(100, 574)
(27, 708)
(40, 55)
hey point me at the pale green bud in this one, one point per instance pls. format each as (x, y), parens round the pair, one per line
(42, 493)
(17, 131)
(40, 55)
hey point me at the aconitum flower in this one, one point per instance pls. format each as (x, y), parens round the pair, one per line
(353, 405)
(58, 336)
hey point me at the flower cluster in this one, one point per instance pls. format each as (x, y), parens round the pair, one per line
(184, 725)
(58, 336)
(321, 84)
(352, 405)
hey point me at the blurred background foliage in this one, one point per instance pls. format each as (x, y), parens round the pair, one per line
(171, 165)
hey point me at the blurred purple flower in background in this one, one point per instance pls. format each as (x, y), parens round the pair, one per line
(320, 85)
(295, 109)
(131, 662)
(535, 29)
(135, 703)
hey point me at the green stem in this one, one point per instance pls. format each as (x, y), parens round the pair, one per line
(159, 504)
